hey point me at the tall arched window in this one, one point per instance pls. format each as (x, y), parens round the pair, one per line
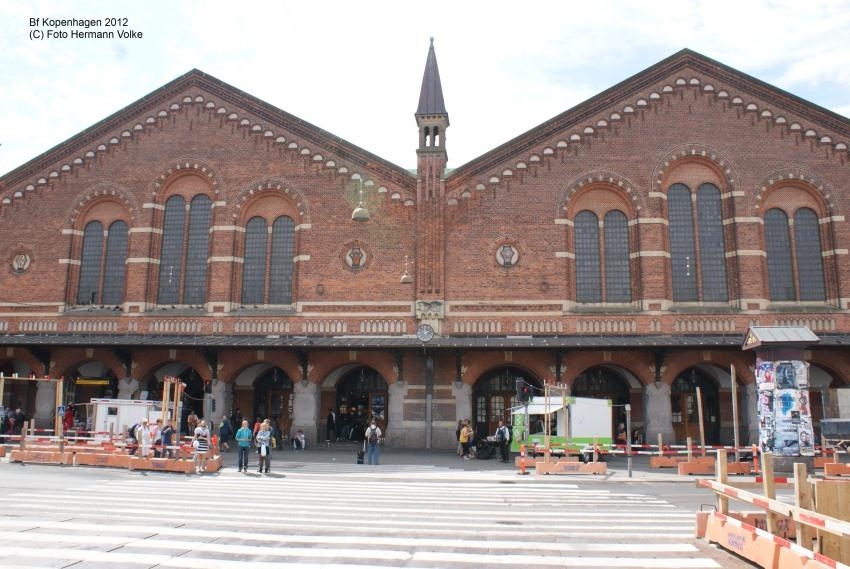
(90, 264)
(618, 282)
(283, 260)
(114, 272)
(184, 251)
(254, 266)
(102, 268)
(268, 264)
(603, 272)
(699, 273)
(788, 282)
(809, 255)
(588, 270)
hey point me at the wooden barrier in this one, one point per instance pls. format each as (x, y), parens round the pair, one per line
(836, 469)
(768, 548)
(569, 467)
(697, 465)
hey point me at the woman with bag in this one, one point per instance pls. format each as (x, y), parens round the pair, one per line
(264, 449)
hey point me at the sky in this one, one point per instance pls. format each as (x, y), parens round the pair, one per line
(354, 68)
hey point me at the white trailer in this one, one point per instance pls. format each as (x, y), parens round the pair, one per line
(117, 415)
(581, 421)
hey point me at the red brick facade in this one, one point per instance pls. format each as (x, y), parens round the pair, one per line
(687, 120)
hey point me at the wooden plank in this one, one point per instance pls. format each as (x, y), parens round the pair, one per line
(803, 499)
(769, 485)
(723, 478)
(832, 498)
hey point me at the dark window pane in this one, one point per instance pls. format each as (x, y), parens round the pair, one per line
(682, 250)
(200, 215)
(254, 265)
(777, 240)
(588, 278)
(809, 255)
(88, 292)
(114, 270)
(712, 251)
(618, 283)
(283, 256)
(170, 258)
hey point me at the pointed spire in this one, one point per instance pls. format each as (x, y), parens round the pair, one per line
(431, 95)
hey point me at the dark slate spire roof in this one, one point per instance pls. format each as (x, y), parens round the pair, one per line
(431, 96)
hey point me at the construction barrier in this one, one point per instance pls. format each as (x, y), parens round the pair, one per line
(772, 547)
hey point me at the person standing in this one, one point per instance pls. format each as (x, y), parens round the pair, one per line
(143, 436)
(201, 444)
(331, 427)
(191, 423)
(465, 439)
(167, 437)
(457, 436)
(264, 448)
(244, 436)
(156, 437)
(224, 432)
(373, 443)
(503, 435)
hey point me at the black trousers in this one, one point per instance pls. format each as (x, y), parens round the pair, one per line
(503, 449)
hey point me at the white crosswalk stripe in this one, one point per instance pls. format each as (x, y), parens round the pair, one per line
(323, 518)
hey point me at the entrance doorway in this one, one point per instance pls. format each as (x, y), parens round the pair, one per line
(600, 382)
(273, 400)
(494, 395)
(683, 400)
(361, 394)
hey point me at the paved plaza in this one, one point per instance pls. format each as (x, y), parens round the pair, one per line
(318, 509)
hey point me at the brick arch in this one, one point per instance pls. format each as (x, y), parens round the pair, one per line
(244, 360)
(706, 156)
(187, 165)
(72, 361)
(24, 356)
(527, 363)
(820, 191)
(628, 192)
(616, 365)
(246, 196)
(381, 362)
(91, 197)
(192, 360)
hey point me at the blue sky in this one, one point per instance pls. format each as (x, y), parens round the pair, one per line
(355, 68)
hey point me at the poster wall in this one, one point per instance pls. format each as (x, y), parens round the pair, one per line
(785, 419)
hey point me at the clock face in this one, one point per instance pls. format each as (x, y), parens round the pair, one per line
(424, 332)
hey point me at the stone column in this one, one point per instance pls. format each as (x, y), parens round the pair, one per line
(396, 434)
(751, 414)
(127, 387)
(659, 412)
(462, 393)
(305, 410)
(222, 395)
(45, 404)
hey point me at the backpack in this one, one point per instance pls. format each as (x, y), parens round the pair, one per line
(373, 436)
(131, 432)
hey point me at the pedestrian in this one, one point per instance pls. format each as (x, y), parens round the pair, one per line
(68, 418)
(201, 442)
(191, 423)
(465, 439)
(457, 436)
(299, 441)
(244, 436)
(331, 426)
(224, 432)
(166, 436)
(143, 436)
(503, 435)
(258, 422)
(373, 443)
(156, 438)
(264, 448)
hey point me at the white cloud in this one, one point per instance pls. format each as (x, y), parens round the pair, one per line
(355, 68)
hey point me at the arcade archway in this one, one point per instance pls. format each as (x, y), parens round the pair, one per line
(494, 395)
(361, 393)
(601, 382)
(683, 402)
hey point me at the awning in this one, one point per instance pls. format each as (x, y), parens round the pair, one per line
(537, 406)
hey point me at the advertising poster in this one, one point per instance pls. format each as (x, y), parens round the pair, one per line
(764, 375)
(784, 410)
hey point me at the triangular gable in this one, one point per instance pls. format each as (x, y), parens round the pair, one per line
(575, 123)
(169, 98)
